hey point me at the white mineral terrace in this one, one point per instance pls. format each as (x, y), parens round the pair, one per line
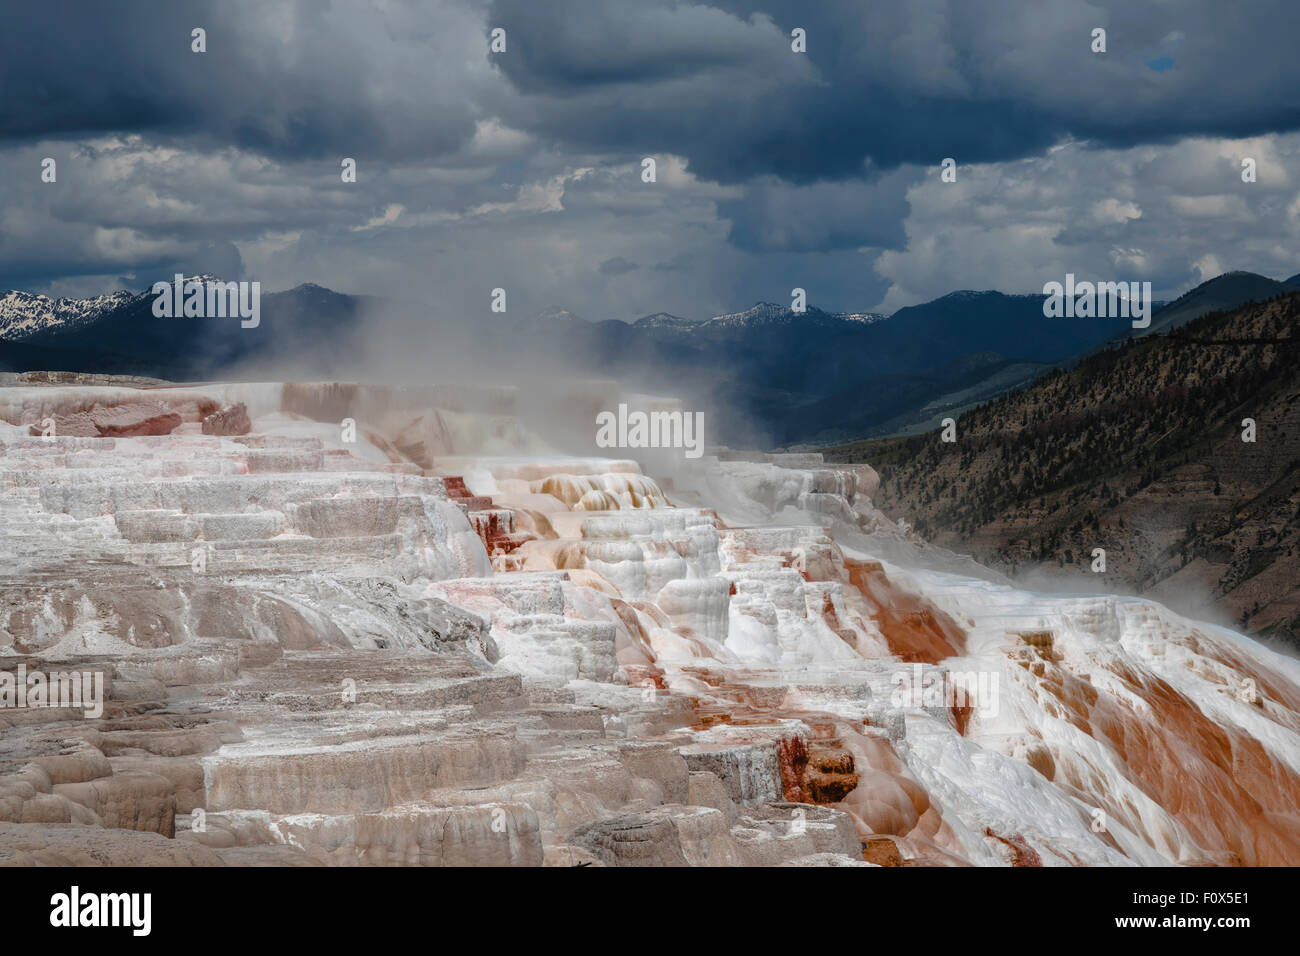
(447, 642)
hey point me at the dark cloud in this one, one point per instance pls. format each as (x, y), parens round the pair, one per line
(681, 262)
(616, 266)
(717, 83)
(555, 47)
(288, 80)
(892, 83)
(775, 169)
(823, 216)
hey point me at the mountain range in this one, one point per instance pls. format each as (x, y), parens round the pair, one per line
(770, 375)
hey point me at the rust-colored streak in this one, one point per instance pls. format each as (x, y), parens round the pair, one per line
(1236, 800)
(792, 758)
(1020, 852)
(456, 487)
(916, 630)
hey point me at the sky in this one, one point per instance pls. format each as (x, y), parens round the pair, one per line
(522, 169)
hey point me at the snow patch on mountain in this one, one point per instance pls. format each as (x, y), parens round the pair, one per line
(23, 314)
(26, 314)
(769, 313)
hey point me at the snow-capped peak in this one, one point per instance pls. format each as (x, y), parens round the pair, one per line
(665, 320)
(769, 313)
(866, 318)
(23, 314)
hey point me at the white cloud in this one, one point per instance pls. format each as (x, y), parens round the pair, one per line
(1174, 215)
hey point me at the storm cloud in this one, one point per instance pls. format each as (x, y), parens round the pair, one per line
(523, 168)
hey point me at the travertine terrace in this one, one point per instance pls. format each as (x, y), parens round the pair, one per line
(449, 643)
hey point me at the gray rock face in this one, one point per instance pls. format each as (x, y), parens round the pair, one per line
(749, 771)
(632, 841)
